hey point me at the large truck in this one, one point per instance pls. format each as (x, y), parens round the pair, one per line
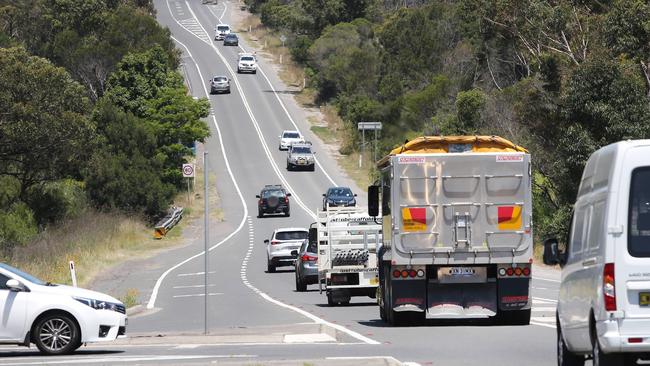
(348, 239)
(457, 230)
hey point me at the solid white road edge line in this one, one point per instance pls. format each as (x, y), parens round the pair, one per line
(245, 217)
(277, 96)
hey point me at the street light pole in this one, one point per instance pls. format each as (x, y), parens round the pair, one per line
(205, 239)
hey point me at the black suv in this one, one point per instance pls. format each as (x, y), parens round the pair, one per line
(273, 199)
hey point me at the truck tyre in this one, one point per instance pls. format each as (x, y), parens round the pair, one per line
(270, 268)
(564, 356)
(514, 317)
(300, 285)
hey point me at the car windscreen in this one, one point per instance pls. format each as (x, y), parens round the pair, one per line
(291, 235)
(231, 36)
(340, 192)
(291, 135)
(272, 193)
(247, 58)
(301, 150)
(223, 28)
(22, 274)
(638, 242)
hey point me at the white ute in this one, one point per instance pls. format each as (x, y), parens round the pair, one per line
(57, 318)
(603, 307)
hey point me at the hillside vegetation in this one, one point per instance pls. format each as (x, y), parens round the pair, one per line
(95, 116)
(561, 78)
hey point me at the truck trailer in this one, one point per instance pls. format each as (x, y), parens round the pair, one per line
(457, 237)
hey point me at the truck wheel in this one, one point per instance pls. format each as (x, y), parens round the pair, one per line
(564, 356)
(269, 267)
(514, 317)
(300, 285)
(56, 334)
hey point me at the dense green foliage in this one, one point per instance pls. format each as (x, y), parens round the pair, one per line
(95, 113)
(562, 78)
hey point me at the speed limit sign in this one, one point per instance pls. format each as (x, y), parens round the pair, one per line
(188, 170)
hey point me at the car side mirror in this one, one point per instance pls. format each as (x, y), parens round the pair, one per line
(313, 233)
(324, 195)
(373, 201)
(355, 195)
(552, 254)
(288, 194)
(257, 196)
(14, 285)
(294, 253)
(266, 241)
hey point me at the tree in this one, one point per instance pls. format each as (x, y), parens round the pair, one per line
(45, 134)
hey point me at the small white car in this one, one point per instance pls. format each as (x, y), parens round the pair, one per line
(603, 309)
(289, 137)
(282, 243)
(246, 63)
(301, 156)
(220, 31)
(57, 318)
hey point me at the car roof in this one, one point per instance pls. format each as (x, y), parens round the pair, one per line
(282, 229)
(290, 131)
(223, 25)
(273, 187)
(301, 144)
(220, 76)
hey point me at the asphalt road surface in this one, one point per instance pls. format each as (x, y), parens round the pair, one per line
(257, 317)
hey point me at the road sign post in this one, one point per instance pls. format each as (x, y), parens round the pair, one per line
(205, 242)
(73, 274)
(188, 172)
(370, 126)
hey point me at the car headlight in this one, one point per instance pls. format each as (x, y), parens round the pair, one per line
(100, 305)
(329, 200)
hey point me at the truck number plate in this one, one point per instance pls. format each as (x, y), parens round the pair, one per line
(644, 298)
(462, 274)
(461, 271)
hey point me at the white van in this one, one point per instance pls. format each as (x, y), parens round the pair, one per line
(603, 308)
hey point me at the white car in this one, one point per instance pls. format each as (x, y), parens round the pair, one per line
(246, 63)
(603, 307)
(283, 242)
(289, 137)
(220, 31)
(57, 318)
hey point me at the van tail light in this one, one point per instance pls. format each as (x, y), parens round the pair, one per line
(308, 258)
(273, 242)
(609, 289)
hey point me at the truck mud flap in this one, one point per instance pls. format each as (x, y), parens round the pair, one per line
(409, 295)
(514, 293)
(467, 300)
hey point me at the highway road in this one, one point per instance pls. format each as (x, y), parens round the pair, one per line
(258, 317)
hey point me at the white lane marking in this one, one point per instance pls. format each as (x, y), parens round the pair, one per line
(542, 308)
(546, 325)
(543, 319)
(194, 274)
(277, 96)
(124, 359)
(248, 219)
(546, 279)
(256, 125)
(308, 338)
(387, 358)
(194, 286)
(156, 288)
(198, 295)
(544, 299)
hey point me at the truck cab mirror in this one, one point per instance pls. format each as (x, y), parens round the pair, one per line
(373, 201)
(552, 254)
(313, 233)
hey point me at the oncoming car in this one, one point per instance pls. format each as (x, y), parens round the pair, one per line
(246, 63)
(300, 156)
(57, 318)
(221, 31)
(289, 137)
(339, 196)
(220, 84)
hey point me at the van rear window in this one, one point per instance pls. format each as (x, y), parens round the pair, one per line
(638, 241)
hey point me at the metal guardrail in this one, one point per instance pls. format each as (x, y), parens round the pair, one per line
(174, 215)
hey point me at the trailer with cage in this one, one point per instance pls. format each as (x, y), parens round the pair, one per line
(348, 239)
(457, 230)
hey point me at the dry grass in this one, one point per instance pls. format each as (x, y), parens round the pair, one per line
(95, 241)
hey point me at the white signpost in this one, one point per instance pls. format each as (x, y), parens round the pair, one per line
(73, 274)
(370, 126)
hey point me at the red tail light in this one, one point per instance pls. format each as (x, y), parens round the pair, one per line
(413, 273)
(609, 290)
(526, 272)
(510, 271)
(397, 273)
(273, 242)
(405, 273)
(308, 258)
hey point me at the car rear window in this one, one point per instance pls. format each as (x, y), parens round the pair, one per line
(291, 235)
(220, 79)
(223, 28)
(273, 193)
(638, 241)
(291, 135)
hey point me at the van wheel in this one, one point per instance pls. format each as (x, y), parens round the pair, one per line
(601, 359)
(564, 356)
(56, 334)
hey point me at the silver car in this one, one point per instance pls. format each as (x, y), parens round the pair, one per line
(220, 84)
(283, 242)
(300, 155)
(306, 265)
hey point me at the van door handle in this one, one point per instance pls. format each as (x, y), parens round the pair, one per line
(589, 262)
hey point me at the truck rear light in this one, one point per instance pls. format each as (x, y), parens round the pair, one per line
(420, 273)
(413, 273)
(397, 273)
(609, 289)
(517, 271)
(502, 272)
(510, 271)
(405, 273)
(526, 272)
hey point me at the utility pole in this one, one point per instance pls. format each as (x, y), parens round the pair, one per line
(205, 239)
